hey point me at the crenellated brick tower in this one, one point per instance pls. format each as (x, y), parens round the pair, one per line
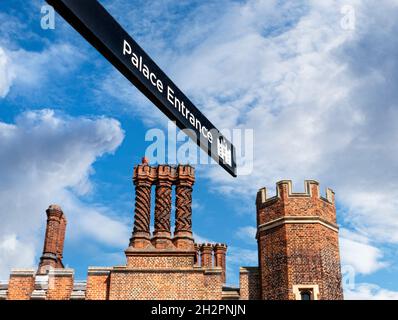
(298, 244)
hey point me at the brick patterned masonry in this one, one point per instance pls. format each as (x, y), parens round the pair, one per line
(297, 239)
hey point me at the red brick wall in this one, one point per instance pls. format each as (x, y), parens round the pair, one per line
(159, 259)
(249, 283)
(21, 285)
(273, 264)
(98, 284)
(313, 258)
(135, 284)
(60, 284)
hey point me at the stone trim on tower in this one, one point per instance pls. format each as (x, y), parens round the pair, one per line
(297, 220)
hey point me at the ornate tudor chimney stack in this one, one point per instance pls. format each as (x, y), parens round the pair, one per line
(162, 243)
(163, 177)
(54, 240)
(163, 250)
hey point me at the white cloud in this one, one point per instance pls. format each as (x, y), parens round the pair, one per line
(14, 253)
(367, 291)
(33, 69)
(374, 211)
(242, 257)
(359, 254)
(47, 158)
(6, 74)
(200, 239)
(239, 257)
(247, 234)
(321, 100)
(94, 223)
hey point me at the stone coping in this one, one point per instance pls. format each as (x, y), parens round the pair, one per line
(22, 272)
(3, 285)
(158, 252)
(99, 270)
(228, 289)
(124, 269)
(79, 285)
(61, 272)
(248, 269)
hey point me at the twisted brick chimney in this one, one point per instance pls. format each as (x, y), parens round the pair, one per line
(164, 250)
(54, 240)
(163, 177)
(143, 178)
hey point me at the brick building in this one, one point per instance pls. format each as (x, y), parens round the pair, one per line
(297, 240)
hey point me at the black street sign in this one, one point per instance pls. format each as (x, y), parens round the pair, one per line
(103, 32)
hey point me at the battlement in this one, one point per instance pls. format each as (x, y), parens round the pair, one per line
(284, 191)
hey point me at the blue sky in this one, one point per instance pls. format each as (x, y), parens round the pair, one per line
(320, 96)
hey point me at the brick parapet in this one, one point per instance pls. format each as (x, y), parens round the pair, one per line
(156, 259)
(21, 284)
(171, 284)
(249, 283)
(60, 284)
(98, 281)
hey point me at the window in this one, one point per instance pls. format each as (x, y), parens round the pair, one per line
(306, 294)
(306, 291)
